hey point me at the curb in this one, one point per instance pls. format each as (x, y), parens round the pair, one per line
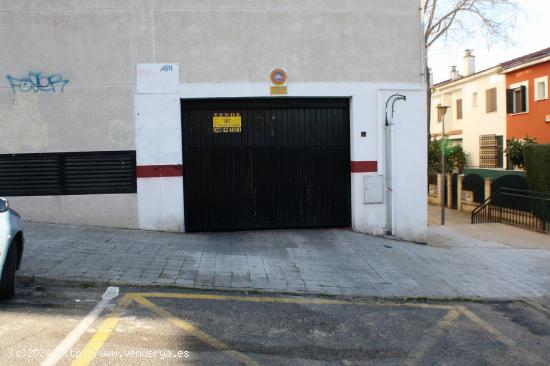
(32, 279)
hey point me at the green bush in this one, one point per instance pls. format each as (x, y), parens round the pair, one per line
(537, 167)
(515, 148)
(455, 157)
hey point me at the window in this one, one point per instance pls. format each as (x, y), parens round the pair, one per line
(440, 114)
(474, 100)
(541, 88)
(459, 109)
(519, 96)
(517, 99)
(491, 100)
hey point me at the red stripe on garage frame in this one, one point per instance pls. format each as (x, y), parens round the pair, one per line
(157, 171)
(364, 166)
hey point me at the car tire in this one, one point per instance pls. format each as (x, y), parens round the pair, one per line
(7, 283)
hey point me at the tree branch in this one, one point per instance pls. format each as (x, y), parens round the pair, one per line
(443, 17)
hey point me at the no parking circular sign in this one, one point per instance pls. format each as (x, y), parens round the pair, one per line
(279, 81)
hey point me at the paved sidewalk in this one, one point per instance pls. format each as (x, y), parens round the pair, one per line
(459, 232)
(336, 262)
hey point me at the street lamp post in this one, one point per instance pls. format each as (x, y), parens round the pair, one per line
(442, 113)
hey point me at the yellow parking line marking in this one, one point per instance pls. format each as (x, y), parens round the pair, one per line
(283, 300)
(428, 342)
(195, 331)
(538, 307)
(89, 353)
(529, 357)
(487, 327)
(313, 301)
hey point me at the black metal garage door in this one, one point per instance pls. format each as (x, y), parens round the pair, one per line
(266, 163)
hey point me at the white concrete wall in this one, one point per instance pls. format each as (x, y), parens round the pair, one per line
(160, 202)
(316, 40)
(159, 142)
(89, 44)
(367, 114)
(109, 210)
(351, 48)
(408, 188)
(475, 121)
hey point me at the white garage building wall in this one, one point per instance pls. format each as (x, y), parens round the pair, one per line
(365, 50)
(161, 208)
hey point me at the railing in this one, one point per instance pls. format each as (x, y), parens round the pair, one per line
(530, 210)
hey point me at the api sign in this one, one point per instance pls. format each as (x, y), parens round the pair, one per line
(157, 78)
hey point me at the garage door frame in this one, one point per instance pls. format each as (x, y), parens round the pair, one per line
(271, 103)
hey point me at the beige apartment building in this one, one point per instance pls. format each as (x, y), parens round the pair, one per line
(476, 114)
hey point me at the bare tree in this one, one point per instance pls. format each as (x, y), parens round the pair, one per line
(457, 19)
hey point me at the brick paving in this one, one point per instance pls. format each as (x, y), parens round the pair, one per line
(332, 261)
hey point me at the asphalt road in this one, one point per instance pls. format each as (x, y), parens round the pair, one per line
(177, 327)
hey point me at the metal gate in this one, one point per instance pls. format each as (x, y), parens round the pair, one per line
(266, 163)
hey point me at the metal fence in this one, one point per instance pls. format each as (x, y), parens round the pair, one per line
(530, 210)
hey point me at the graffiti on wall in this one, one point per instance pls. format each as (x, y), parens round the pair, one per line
(36, 82)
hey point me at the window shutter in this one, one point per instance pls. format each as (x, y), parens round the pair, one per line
(491, 100)
(68, 173)
(100, 172)
(523, 98)
(28, 174)
(509, 101)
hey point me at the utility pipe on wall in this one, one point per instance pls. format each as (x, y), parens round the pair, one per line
(388, 160)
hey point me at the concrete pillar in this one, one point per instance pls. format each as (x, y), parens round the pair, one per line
(488, 187)
(450, 190)
(440, 190)
(459, 192)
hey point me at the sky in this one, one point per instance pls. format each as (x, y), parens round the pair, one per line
(531, 33)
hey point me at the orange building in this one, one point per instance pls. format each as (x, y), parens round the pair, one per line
(528, 104)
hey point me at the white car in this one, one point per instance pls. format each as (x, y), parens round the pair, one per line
(11, 248)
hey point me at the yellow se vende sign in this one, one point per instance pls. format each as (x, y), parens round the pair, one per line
(227, 123)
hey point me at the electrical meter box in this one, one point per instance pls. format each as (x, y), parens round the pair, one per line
(374, 189)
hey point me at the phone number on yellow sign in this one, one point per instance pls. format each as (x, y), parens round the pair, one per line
(227, 129)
